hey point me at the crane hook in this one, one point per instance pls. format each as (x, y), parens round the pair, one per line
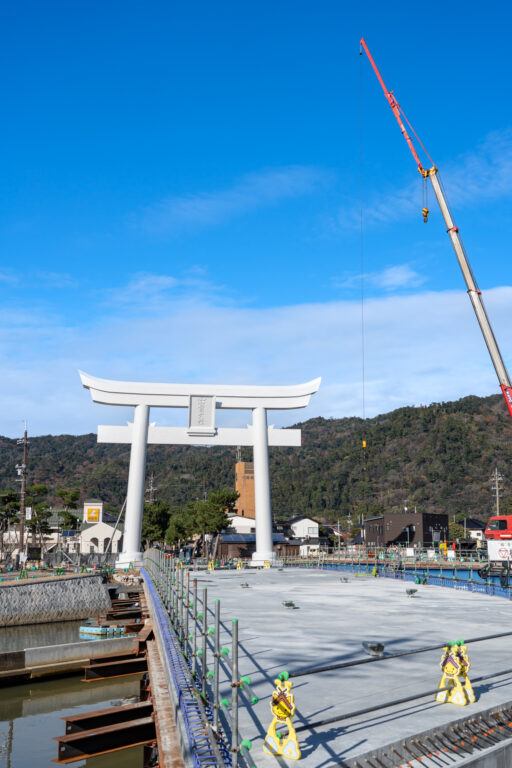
(425, 212)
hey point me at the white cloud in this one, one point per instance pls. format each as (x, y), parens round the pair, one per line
(481, 175)
(152, 293)
(420, 348)
(57, 279)
(401, 276)
(143, 288)
(252, 191)
(7, 276)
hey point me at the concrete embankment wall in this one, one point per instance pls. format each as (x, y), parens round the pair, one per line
(55, 654)
(61, 658)
(59, 599)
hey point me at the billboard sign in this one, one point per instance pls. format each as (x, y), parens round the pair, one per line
(499, 550)
(92, 514)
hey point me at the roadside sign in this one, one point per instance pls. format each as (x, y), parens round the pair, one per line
(499, 550)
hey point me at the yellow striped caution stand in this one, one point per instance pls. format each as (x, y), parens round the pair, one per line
(282, 706)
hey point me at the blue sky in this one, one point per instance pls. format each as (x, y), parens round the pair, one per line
(179, 200)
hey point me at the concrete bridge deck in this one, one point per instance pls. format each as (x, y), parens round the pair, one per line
(330, 620)
(328, 624)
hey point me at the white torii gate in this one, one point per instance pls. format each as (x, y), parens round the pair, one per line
(202, 402)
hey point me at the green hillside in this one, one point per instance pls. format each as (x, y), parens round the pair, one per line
(439, 458)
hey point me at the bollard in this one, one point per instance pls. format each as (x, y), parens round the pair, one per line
(234, 694)
(204, 644)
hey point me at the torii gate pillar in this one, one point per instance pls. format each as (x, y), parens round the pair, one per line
(202, 402)
(262, 503)
(136, 483)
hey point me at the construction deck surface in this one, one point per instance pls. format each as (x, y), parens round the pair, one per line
(330, 621)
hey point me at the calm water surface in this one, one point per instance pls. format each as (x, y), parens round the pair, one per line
(37, 635)
(30, 715)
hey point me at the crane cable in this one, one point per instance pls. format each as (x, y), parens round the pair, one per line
(425, 210)
(361, 237)
(362, 268)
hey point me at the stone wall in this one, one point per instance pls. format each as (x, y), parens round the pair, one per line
(58, 599)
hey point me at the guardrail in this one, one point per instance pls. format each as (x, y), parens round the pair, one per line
(415, 574)
(426, 556)
(189, 646)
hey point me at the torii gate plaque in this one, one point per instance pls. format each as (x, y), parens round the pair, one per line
(202, 402)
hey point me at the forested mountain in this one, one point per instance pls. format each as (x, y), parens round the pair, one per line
(439, 457)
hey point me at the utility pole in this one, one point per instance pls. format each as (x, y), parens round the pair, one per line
(496, 480)
(21, 469)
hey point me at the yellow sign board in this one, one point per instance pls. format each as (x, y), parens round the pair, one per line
(93, 515)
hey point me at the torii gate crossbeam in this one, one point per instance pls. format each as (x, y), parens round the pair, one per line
(202, 401)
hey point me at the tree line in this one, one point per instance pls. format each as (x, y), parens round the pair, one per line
(438, 458)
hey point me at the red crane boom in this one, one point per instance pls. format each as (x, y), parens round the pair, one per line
(453, 231)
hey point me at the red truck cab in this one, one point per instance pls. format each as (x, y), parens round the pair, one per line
(499, 527)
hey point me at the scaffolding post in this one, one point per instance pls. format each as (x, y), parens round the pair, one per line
(204, 644)
(234, 694)
(187, 606)
(194, 624)
(216, 668)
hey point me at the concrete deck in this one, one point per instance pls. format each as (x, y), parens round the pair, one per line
(330, 621)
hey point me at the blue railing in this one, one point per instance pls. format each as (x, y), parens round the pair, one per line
(407, 574)
(203, 749)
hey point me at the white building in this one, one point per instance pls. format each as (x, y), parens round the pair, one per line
(474, 528)
(241, 524)
(93, 536)
(95, 533)
(307, 530)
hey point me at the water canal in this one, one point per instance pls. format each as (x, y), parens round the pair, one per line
(30, 714)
